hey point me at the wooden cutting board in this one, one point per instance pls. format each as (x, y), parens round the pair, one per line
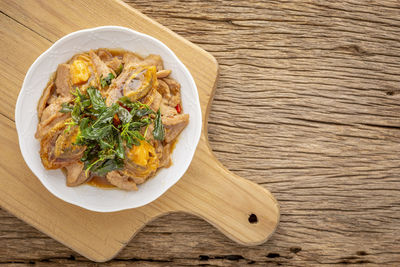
(242, 210)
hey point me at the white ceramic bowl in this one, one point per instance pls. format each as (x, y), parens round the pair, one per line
(86, 196)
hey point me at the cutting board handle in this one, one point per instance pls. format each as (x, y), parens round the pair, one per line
(242, 210)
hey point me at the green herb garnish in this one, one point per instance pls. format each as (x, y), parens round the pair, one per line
(66, 108)
(107, 130)
(119, 70)
(104, 82)
(158, 131)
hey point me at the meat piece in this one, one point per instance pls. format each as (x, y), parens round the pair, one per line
(115, 90)
(166, 109)
(163, 89)
(125, 80)
(156, 101)
(163, 73)
(149, 134)
(163, 154)
(140, 83)
(139, 180)
(130, 59)
(165, 159)
(104, 54)
(132, 62)
(175, 91)
(153, 60)
(52, 99)
(112, 96)
(158, 146)
(121, 181)
(47, 144)
(51, 115)
(175, 100)
(63, 80)
(173, 85)
(136, 179)
(43, 99)
(46, 125)
(50, 110)
(101, 68)
(122, 78)
(75, 174)
(153, 99)
(174, 126)
(56, 149)
(114, 64)
(65, 149)
(54, 107)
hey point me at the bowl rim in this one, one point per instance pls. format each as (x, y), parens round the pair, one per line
(41, 57)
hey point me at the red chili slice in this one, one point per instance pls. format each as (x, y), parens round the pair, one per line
(178, 108)
(116, 120)
(125, 107)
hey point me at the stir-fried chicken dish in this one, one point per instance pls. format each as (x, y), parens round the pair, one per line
(110, 115)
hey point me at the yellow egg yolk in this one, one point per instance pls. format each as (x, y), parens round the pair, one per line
(141, 154)
(79, 71)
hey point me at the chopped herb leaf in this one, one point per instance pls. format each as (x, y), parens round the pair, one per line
(104, 82)
(158, 131)
(119, 70)
(66, 108)
(96, 99)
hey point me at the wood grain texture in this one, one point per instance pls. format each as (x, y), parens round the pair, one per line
(307, 104)
(207, 189)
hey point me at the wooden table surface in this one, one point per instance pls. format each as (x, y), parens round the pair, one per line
(307, 105)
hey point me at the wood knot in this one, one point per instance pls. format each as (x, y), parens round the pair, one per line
(354, 49)
(392, 92)
(253, 218)
(273, 255)
(295, 250)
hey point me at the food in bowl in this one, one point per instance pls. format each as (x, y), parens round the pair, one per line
(110, 117)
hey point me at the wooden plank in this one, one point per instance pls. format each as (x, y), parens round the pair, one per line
(298, 81)
(205, 190)
(15, 63)
(311, 72)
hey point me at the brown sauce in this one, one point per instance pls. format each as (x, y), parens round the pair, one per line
(100, 181)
